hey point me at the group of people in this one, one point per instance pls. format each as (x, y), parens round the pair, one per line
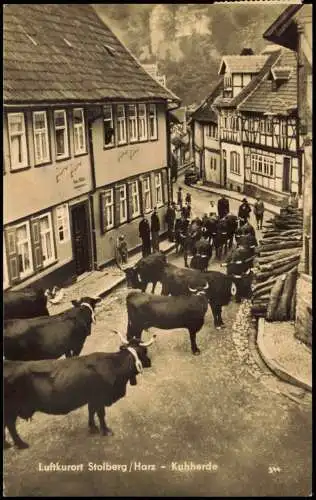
(149, 233)
(243, 211)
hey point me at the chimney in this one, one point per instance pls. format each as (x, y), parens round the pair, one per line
(247, 52)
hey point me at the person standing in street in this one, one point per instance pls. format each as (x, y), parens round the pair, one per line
(155, 228)
(258, 210)
(223, 206)
(170, 218)
(179, 197)
(244, 210)
(188, 198)
(144, 234)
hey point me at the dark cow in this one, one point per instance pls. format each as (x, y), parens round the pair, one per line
(202, 254)
(146, 270)
(244, 230)
(232, 226)
(220, 238)
(57, 387)
(50, 337)
(145, 310)
(176, 281)
(26, 303)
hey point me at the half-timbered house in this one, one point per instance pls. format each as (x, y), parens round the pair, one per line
(205, 138)
(293, 30)
(85, 143)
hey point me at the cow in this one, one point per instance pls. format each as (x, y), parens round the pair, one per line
(220, 238)
(57, 387)
(232, 226)
(202, 254)
(50, 337)
(145, 310)
(146, 270)
(176, 281)
(26, 303)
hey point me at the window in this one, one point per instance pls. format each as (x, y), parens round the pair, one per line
(62, 218)
(123, 203)
(269, 126)
(135, 199)
(40, 137)
(132, 122)
(108, 125)
(152, 121)
(17, 141)
(213, 162)
(107, 208)
(142, 122)
(211, 131)
(262, 164)
(146, 194)
(227, 81)
(262, 126)
(61, 134)
(235, 162)
(121, 124)
(79, 131)
(24, 252)
(158, 190)
(47, 242)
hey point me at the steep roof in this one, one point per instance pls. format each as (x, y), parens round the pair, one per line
(252, 85)
(283, 30)
(242, 64)
(205, 111)
(282, 100)
(64, 52)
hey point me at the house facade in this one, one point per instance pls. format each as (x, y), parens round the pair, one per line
(205, 139)
(85, 143)
(293, 30)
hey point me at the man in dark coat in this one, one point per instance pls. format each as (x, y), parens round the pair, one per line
(144, 234)
(223, 206)
(155, 228)
(179, 197)
(170, 220)
(244, 210)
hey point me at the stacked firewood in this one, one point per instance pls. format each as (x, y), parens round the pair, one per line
(276, 266)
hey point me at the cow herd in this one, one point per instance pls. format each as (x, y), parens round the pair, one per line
(36, 380)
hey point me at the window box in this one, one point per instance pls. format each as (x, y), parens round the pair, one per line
(41, 144)
(79, 132)
(17, 141)
(108, 126)
(61, 134)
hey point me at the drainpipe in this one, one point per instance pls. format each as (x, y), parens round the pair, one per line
(168, 140)
(91, 198)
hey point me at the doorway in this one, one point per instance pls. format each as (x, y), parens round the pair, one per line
(286, 185)
(81, 237)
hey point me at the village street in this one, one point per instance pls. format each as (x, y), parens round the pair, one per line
(208, 409)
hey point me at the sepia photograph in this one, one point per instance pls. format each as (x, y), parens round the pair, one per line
(157, 249)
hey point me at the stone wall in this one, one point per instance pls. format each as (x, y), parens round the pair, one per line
(303, 323)
(268, 196)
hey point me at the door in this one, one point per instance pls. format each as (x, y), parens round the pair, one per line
(286, 185)
(81, 237)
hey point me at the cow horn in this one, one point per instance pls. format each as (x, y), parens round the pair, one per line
(125, 341)
(206, 286)
(151, 341)
(192, 289)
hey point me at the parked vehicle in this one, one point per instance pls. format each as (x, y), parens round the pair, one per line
(191, 176)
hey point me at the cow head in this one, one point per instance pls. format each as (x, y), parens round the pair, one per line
(200, 291)
(87, 302)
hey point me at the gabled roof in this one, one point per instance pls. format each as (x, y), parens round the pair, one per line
(205, 111)
(283, 30)
(64, 52)
(252, 85)
(242, 64)
(281, 99)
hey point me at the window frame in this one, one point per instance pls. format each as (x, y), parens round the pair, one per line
(119, 122)
(145, 191)
(23, 274)
(267, 162)
(144, 121)
(135, 194)
(77, 126)
(153, 106)
(158, 187)
(66, 134)
(109, 205)
(111, 120)
(50, 230)
(124, 200)
(235, 164)
(132, 119)
(47, 159)
(24, 144)
(65, 223)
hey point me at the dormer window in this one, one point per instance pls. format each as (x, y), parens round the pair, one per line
(228, 82)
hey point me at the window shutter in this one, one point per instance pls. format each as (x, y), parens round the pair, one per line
(37, 247)
(153, 189)
(12, 255)
(117, 221)
(129, 201)
(142, 196)
(103, 217)
(164, 180)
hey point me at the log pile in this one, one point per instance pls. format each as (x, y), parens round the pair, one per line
(276, 266)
